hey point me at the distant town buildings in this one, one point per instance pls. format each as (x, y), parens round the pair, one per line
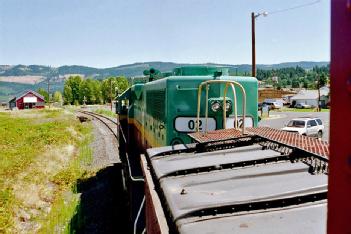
(310, 97)
(271, 93)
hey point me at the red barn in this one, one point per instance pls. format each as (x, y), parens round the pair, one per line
(27, 100)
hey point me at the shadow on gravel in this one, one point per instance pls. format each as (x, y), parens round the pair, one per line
(103, 206)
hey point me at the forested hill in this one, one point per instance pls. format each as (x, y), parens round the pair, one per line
(135, 69)
(15, 79)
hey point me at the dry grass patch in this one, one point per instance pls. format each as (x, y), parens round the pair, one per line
(22, 79)
(37, 147)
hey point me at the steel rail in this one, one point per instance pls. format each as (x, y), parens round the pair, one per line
(100, 118)
(96, 114)
(133, 178)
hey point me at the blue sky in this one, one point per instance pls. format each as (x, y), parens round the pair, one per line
(106, 33)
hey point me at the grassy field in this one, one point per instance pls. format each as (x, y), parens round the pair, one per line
(300, 110)
(43, 154)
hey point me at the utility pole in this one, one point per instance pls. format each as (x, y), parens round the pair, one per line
(48, 79)
(319, 93)
(111, 92)
(253, 34)
(253, 17)
(265, 13)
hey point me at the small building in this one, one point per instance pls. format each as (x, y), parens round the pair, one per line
(310, 97)
(27, 100)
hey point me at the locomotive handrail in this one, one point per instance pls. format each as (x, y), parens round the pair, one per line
(234, 104)
(185, 89)
(138, 215)
(134, 179)
(227, 83)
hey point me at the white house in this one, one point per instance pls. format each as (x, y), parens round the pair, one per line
(310, 97)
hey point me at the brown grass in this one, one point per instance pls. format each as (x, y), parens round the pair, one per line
(38, 146)
(22, 79)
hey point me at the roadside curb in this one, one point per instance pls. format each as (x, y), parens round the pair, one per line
(273, 117)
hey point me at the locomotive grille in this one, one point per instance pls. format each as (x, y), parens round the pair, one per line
(155, 101)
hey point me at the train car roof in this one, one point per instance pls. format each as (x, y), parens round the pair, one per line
(259, 190)
(172, 163)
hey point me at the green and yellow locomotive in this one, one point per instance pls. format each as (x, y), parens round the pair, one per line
(161, 109)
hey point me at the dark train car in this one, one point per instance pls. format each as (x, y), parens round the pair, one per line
(243, 184)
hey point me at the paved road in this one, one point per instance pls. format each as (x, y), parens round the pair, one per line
(281, 118)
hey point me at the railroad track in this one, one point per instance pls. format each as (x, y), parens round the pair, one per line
(111, 124)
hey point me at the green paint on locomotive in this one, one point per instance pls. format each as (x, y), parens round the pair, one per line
(164, 110)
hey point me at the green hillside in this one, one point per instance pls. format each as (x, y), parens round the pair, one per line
(135, 69)
(8, 89)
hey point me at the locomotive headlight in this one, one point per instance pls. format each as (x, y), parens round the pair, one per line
(215, 106)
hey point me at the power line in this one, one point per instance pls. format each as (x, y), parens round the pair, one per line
(295, 7)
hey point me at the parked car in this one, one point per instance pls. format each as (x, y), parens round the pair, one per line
(306, 126)
(273, 105)
(302, 106)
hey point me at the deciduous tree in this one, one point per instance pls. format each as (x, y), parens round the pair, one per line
(67, 94)
(58, 97)
(44, 93)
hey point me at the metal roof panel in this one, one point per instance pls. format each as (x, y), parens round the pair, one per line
(164, 165)
(305, 219)
(187, 193)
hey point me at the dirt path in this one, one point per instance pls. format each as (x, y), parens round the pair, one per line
(103, 207)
